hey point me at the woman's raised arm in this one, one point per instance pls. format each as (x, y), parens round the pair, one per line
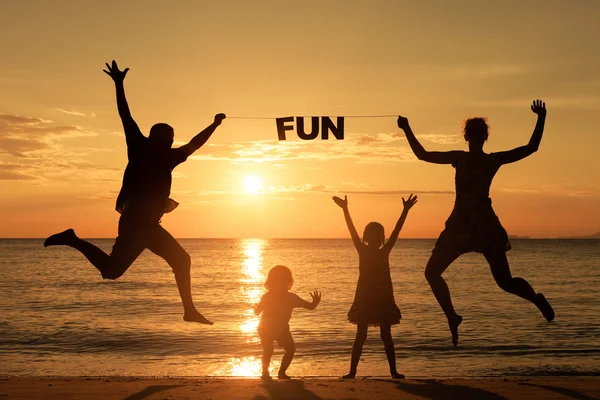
(436, 157)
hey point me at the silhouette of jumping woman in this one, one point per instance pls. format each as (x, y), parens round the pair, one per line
(276, 307)
(374, 303)
(473, 225)
(143, 200)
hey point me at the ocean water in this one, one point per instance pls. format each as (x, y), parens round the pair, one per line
(58, 317)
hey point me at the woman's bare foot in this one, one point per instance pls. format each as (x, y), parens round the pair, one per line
(266, 376)
(397, 375)
(544, 307)
(195, 316)
(454, 324)
(283, 376)
(349, 376)
(62, 238)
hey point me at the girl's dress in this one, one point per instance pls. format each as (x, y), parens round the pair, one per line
(374, 303)
(473, 225)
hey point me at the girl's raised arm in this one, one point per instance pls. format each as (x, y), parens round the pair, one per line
(436, 157)
(389, 245)
(510, 156)
(344, 205)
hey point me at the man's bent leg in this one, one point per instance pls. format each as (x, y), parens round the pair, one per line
(164, 245)
(110, 266)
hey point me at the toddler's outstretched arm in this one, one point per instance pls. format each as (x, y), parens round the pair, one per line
(316, 299)
(394, 236)
(344, 205)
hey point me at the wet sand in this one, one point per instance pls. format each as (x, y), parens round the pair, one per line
(137, 388)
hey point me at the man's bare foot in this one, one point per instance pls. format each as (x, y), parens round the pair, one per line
(349, 376)
(454, 328)
(195, 316)
(397, 375)
(283, 376)
(62, 238)
(545, 307)
(265, 376)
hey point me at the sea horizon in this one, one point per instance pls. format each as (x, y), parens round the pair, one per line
(591, 237)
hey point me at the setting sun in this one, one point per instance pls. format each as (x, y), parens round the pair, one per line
(252, 184)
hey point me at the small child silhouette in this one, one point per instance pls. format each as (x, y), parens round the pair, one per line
(276, 307)
(374, 303)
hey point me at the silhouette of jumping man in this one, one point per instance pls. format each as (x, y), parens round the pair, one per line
(276, 307)
(473, 225)
(374, 303)
(143, 200)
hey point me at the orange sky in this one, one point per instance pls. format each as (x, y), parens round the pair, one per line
(62, 150)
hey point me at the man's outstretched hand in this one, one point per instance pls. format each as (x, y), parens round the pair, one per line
(219, 118)
(114, 72)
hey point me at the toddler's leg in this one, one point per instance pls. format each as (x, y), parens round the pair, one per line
(359, 341)
(388, 343)
(267, 345)
(287, 342)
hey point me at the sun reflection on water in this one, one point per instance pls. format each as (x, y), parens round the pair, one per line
(251, 289)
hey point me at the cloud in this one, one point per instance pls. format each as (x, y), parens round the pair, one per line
(491, 70)
(556, 190)
(441, 138)
(381, 148)
(309, 188)
(10, 172)
(568, 102)
(33, 149)
(70, 112)
(20, 136)
(20, 147)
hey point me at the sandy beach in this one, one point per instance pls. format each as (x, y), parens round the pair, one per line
(137, 388)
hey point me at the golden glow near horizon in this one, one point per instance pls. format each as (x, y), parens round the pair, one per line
(62, 150)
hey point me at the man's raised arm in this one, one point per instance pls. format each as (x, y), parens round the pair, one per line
(132, 131)
(202, 137)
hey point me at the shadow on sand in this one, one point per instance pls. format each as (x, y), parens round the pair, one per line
(149, 391)
(564, 391)
(435, 390)
(287, 390)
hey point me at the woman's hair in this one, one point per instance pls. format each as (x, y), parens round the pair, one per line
(374, 233)
(476, 129)
(280, 277)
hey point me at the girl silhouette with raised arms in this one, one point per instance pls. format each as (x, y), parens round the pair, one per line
(276, 307)
(374, 303)
(473, 225)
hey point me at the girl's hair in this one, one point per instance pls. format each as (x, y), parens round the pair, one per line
(476, 129)
(373, 233)
(280, 277)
